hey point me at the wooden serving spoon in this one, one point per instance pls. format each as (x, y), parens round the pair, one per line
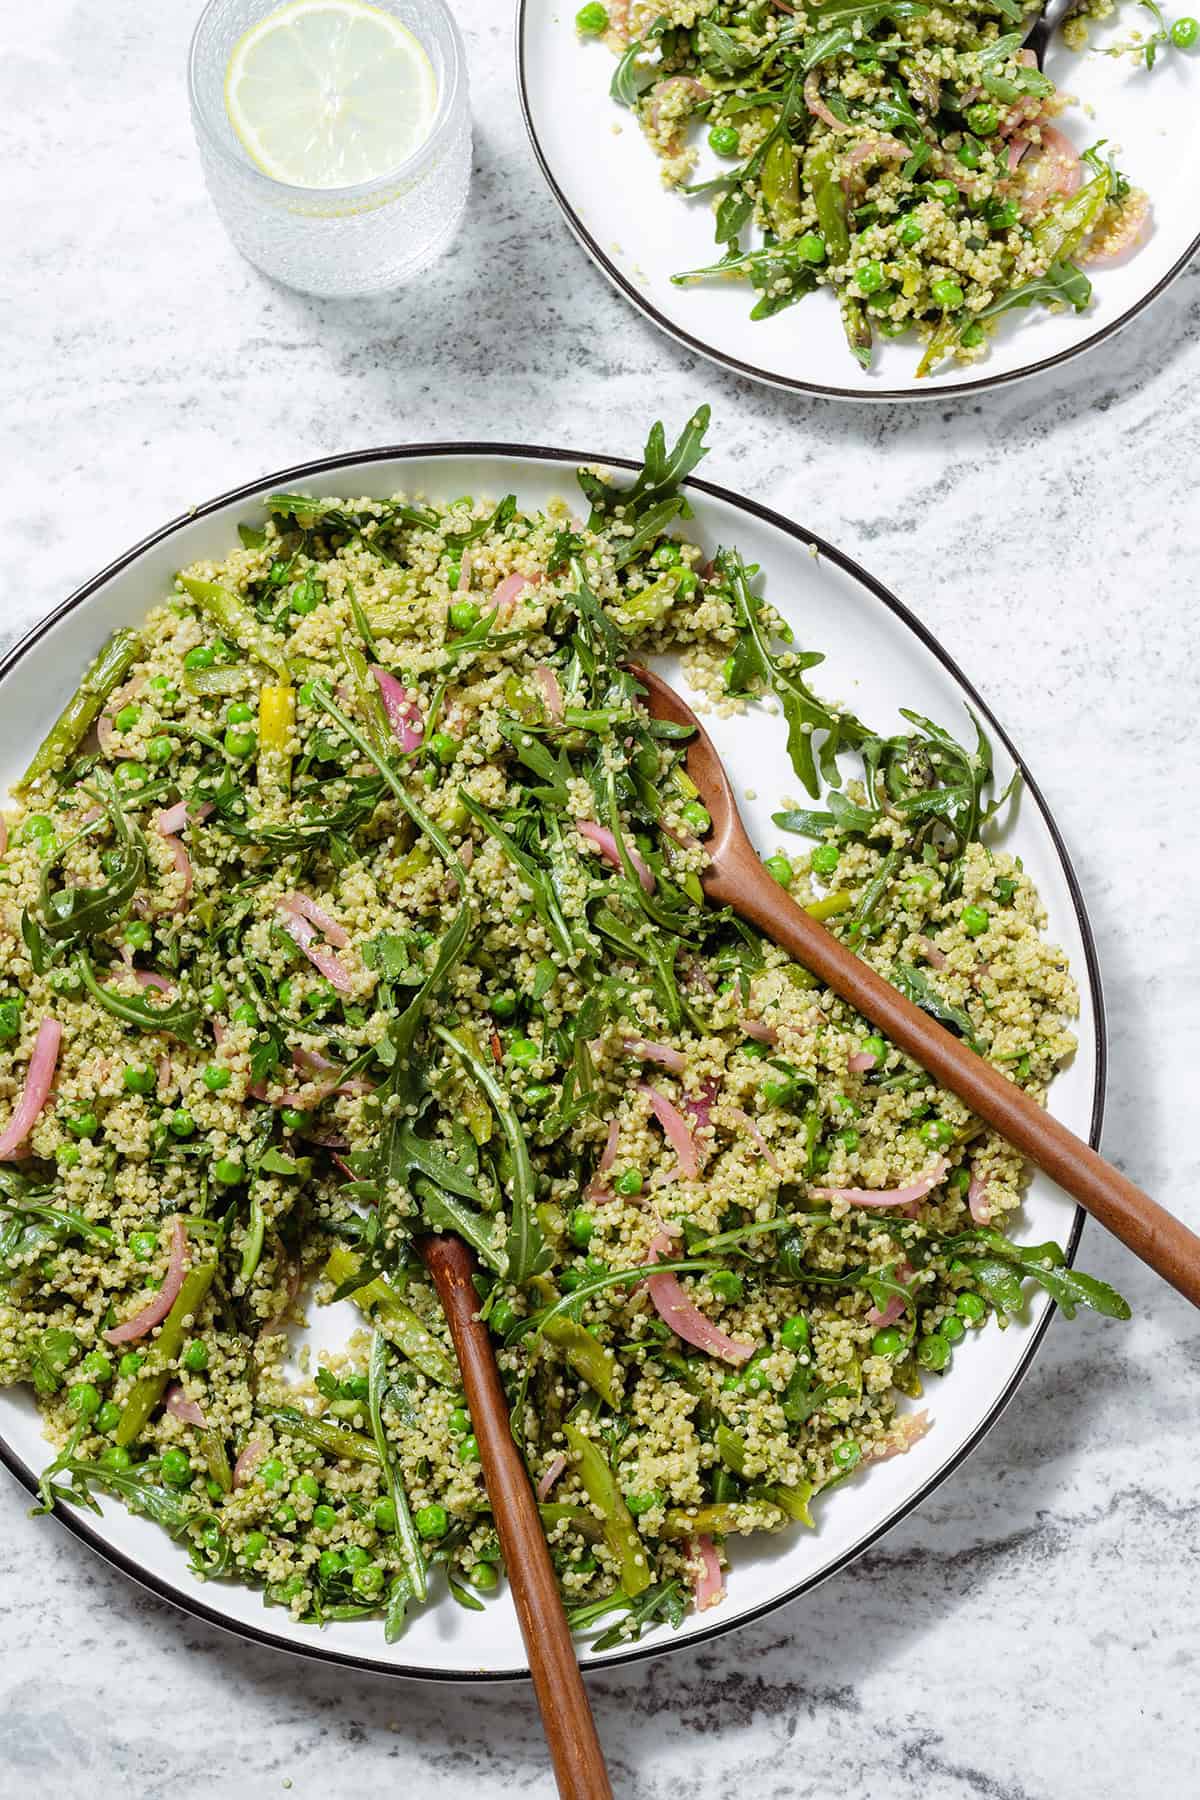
(736, 878)
(561, 1696)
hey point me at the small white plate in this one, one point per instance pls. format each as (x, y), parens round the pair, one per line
(605, 178)
(879, 658)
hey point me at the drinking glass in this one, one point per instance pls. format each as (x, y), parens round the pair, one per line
(363, 239)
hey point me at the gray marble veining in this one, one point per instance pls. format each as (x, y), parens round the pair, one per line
(1029, 1634)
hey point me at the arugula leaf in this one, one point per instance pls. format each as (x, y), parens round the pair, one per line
(1063, 284)
(917, 987)
(50, 1353)
(402, 1032)
(457, 541)
(177, 1019)
(408, 1544)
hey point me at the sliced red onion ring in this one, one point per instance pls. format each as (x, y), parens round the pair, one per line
(977, 1200)
(39, 1079)
(598, 1188)
(665, 1055)
(303, 932)
(902, 1196)
(708, 1583)
(175, 818)
(894, 1310)
(160, 1306)
(248, 1461)
(933, 956)
(551, 1476)
(606, 844)
(552, 693)
(511, 589)
(760, 1031)
(684, 1317)
(860, 1062)
(180, 1407)
(906, 1431)
(183, 866)
(404, 715)
(817, 107)
(308, 909)
(676, 1128)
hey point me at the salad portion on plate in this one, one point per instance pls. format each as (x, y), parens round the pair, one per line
(354, 896)
(906, 156)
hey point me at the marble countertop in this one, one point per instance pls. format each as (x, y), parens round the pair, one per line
(1029, 1633)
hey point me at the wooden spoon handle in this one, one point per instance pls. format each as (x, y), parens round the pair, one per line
(566, 1714)
(1149, 1230)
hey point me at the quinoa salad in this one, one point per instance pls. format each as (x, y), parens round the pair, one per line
(355, 897)
(907, 156)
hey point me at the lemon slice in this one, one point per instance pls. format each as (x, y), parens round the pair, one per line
(329, 93)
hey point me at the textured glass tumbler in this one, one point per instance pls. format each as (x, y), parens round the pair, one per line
(365, 239)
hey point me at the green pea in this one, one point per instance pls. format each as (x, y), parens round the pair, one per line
(468, 1449)
(324, 1518)
(846, 1455)
(84, 1400)
(484, 1576)
(947, 294)
(666, 555)
(779, 867)
(848, 1138)
(367, 1581)
(1184, 33)
(283, 1516)
(696, 817)
(687, 582)
(182, 1124)
(432, 1521)
(888, 1342)
(144, 1244)
(304, 600)
(127, 718)
(643, 1503)
(503, 1315)
(138, 1081)
(215, 1078)
(869, 278)
(952, 1329)
(285, 993)
(244, 1014)
(130, 774)
(504, 1006)
(239, 713)
(83, 1125)
(970, 154)
(938, 1132)
(202, 657)
(195, 1357)
(779, 1090)
(355, 1556)
(97, 1366)
(137, 934)
(384, 1514)
(227, 1171)
(581, 1228)
(984, 119)
(460, 1422)
(115, 1456)
(159, 750)
(812, 247)
(826, 859)
(131, 1361)
(10, 1020)
(960, 1180)
(308, 693)
(253, 1547)
(971, 1308)
(732, 1383)
(538, 1095)
(974, 920)
(272, 1472)
(726, 1284)
(160, 685)
(945, 191)
(239, 743)
(1002, 215)
(933, 1352)
(109, 1417)
(795, 1334)
(523, 1051)
(68, 1156)
(724, 139)
(176, 1468)
(443, 748)
(629, 1183)
(911, 230)
(329, 1564)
